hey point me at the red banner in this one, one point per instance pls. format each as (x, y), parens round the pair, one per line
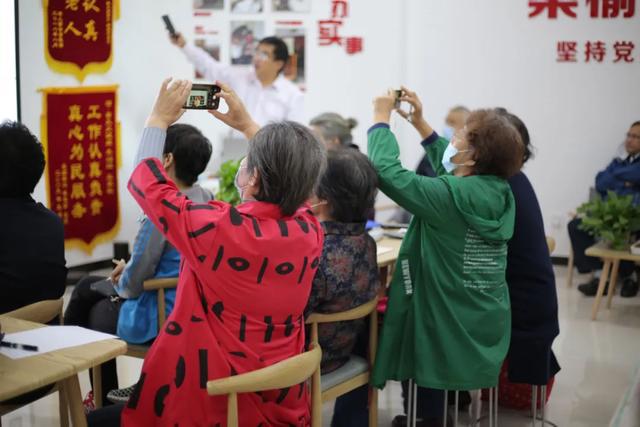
(80, 135)
(78, 35)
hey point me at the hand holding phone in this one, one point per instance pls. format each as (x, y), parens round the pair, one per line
(176, 37)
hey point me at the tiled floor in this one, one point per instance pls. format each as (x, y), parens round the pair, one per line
(597, 359)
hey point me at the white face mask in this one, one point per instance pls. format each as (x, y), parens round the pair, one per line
(450, 153)
(240, 188)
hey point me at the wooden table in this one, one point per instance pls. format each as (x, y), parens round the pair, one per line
(387, 260)
(19, 376)
(611, 259)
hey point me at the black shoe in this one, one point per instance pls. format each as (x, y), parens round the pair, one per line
(401, 421)
(590, 289)
(629, 288)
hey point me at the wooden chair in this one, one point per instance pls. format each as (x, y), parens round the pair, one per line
(286, 373)
(551, 244)
(160, 285)
(138, 350)
(355, 373)
(41, 312)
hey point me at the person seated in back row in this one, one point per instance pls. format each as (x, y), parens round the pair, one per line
(622, 176)
(348, 272)
(32, 264)
(119, 304)
(334, 130)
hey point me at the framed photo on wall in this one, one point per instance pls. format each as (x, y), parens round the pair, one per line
(208, 4)
(295, 40)
(301, 6)
(246, 6)
(245, 36)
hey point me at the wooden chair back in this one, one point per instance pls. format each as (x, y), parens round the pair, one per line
(39, 312)
(286, 373)
(317, 396)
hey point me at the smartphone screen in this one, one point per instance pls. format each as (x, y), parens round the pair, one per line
(203, 97)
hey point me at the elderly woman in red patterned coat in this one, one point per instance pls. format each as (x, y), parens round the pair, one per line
(245, 277)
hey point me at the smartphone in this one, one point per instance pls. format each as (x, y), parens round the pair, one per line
(202, 97)
(169, 25)
(399, 94)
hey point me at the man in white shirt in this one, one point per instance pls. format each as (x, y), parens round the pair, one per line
(266, 93)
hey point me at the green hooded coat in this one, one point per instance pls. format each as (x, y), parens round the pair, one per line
(448, 320)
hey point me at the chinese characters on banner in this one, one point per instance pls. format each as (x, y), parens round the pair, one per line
(79, 132)
(79, 35)
(590, 51)
(328, 29)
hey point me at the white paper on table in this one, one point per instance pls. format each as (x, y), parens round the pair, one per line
(383, 250)
(51, 338)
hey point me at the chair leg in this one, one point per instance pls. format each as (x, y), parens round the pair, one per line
(613, 282)
(534, 405)
(455, 409)
(373, 408)
(491, 407)
(496, 402)
(72, 389)
(232, 410)
(446, 407)
(603, 281)
(543, 404)
(97, 385)
(570, 269)
(63, 407)
(316, 400)
(410, 404)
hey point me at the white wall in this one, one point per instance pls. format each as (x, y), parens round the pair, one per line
(489, 53)
(8, 104)
(143, 57)
(481, 54)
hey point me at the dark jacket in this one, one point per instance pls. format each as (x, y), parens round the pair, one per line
(621, 177)
(532, 288)
(32, 264)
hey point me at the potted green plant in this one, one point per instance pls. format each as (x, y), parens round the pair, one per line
(227, 174)
(612, 219)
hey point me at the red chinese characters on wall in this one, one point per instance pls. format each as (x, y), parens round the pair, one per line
(590, 51)
(329, 29)
(80, 135)
(612, 8)
(79, 35)
(596, 51)
(607, 9)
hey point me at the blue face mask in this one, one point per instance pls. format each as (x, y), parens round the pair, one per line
(447, 132)
(449, 153)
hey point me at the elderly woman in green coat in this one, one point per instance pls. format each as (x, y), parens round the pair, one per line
(448, 321)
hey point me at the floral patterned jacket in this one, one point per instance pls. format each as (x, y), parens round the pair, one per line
(346, 278)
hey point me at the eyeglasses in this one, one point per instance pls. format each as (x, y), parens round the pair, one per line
(262, 56)
(632, 135)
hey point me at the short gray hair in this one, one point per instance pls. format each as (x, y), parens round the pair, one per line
(333, 125)
(289, 160)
